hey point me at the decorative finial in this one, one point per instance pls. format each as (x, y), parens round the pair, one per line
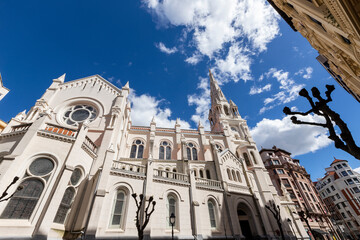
(60, 79)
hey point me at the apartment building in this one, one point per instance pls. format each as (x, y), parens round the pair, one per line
(340, 190)
(288, 175)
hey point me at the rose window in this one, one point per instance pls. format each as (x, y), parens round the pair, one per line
(78, 114)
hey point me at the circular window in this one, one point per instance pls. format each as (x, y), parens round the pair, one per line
(41, 166)
(78, 114)
(76, 176)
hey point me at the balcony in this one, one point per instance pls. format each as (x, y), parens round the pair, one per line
(128, 169)
(208, 184)
(89, 147)
(171, 177)
(16, 130)
(58, 132)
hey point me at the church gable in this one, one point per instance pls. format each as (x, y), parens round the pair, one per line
(95, 81)
(228, 159)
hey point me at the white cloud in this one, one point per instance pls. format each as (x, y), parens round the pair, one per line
(306, 73)
(202, 103)
(297, 139)
(255, 90)
(145, 107)
(357, 169)
(289, 90)
(235, 66)
(161, 46)
(216, 27)
(194, 59)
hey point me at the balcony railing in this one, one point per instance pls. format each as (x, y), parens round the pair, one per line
(90, 144)
(203, 182)
(59, 130)
(163, 174)
(20, 128)
(129, 168)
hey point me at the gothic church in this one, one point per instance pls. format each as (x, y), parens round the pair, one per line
(79, 159)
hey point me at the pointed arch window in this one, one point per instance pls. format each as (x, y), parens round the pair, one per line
(234, 175)
(137, 149)
(191, 152)
(165, 150)
(212, 213)
(23, 203)
(229, 174)
(68, 197)
(117, 215)
(238, 176)
(171, 206)
(247, 159)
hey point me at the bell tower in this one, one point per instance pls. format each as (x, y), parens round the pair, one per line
(222, 111)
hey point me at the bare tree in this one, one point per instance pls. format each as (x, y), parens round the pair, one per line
(5, 193)
(275, 210)
(140, 222)
(345, 140)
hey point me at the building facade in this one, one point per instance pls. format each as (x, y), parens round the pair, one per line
(340, 190)
(79, 159)
(287, 174)
(3, 90)
(333, 28)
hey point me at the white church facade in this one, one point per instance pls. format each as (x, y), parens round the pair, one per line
(79, 159)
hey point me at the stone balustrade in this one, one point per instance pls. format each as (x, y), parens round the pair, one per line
(129, 168)
(208, 183)
(173, 176)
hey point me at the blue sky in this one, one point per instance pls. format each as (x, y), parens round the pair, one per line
(164, 49)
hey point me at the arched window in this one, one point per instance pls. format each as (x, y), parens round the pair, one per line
(226, 110)
(165, 150)
(234, 175)
(119, 205)
(195, 172)
(191, 152)
(253, 157)
(172, 208)
(68, 197)
(65, 205)
(212, 214)
(229, 174)
(167, 172)
(247, 160)
(201, 173)
(238, 176)
(174, 171)
(23, 203)
(208, 176)
(137, 149)
(218, 148)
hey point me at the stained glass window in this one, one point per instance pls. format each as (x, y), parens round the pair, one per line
(118, 209)
(65, 205)
(22, 204)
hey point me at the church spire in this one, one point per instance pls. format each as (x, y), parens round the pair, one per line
(217, 96)
(221, 110)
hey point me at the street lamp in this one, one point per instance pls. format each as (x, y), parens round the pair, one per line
(172, 222)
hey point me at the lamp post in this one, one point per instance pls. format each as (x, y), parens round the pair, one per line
(172, 222)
